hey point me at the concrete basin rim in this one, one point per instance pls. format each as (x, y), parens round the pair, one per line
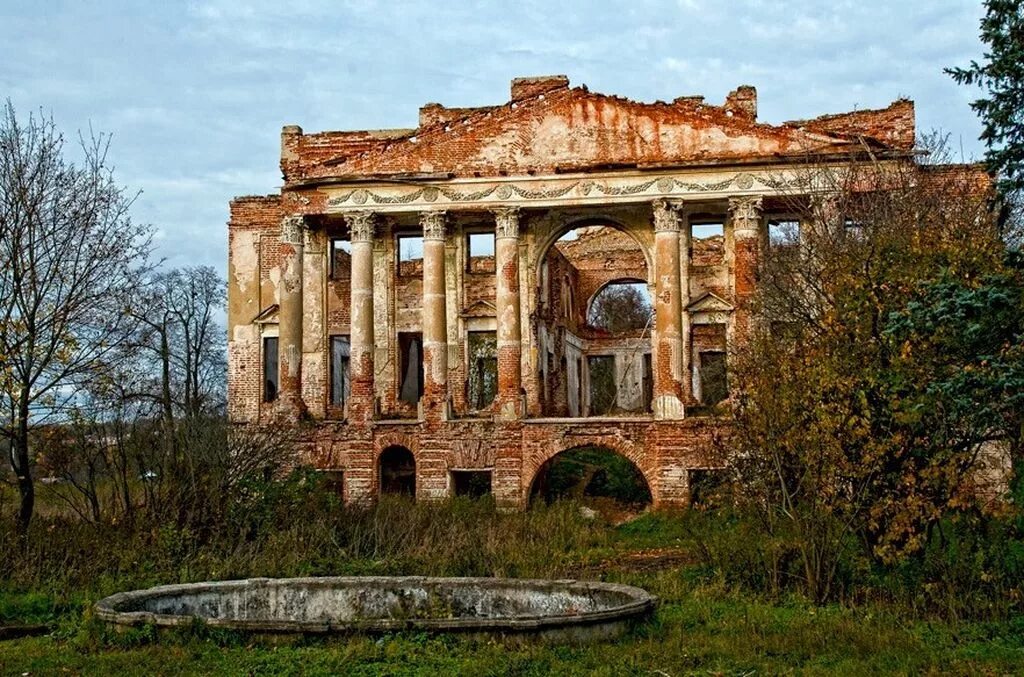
(639, 603)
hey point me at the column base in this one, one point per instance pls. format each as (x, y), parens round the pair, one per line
(668, 407)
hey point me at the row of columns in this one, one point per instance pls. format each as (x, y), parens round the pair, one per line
(671, 244)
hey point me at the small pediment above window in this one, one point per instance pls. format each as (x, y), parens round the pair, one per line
(710, 303)
(267, 316)
(480, 309)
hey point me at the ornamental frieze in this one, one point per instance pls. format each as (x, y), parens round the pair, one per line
(562, 189)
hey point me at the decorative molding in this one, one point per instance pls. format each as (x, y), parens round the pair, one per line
(433, 224)
(560, 189)
(666, 218)
(292, 229)
(361, 225)
(506, 222)
(746, 208)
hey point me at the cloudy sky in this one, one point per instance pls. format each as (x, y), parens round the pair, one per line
(196, 93)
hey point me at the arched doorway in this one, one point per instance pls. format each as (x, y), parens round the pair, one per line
(397, 471)
(595, 475)
(594, 317)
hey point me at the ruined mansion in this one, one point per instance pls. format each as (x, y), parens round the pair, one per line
(454, 305)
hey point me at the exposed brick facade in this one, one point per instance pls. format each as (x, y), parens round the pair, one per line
(630, 178)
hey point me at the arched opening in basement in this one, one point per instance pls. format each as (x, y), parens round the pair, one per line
(397, 471)
(598, 477)
(594, 316)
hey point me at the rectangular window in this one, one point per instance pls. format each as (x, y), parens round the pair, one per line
(648, 381)
(783, 232)
(603, 391)
(339, 370)
(410, 255)
(714, 385)
(483, 368)
(270, 375)
(341, 259)
(410, 345)
(481, 252)
(707, 243)
(471, 483)
(334, 482)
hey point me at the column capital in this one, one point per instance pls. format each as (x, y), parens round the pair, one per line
(746, 207)
(361, 225)
(506, 220)
(666, 216)
(433, 223)
(293, 229)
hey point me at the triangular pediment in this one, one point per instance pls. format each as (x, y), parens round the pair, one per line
(709, 303)
(573, 129)
(267, 316)
(480, 309)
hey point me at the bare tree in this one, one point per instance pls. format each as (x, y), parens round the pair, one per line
(70, 263)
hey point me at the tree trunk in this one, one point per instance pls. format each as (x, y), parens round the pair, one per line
(20, 464)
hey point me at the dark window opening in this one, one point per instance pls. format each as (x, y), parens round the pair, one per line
(579, 386)
(707, 243)
(341, 259)
(410, 345)
(483, 368)
(339, 370)
(709, 487)
(603, 392)
(714, 385)
(648, 381)
(471, 483)
(853, 228)
(270, 371)
(481, 252)
(410, 255)
(333, 483)
(397, 472)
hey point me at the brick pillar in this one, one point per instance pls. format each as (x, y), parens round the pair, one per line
(290, 404)
(434, 318)
(506, 256)
(685, 236)
(668, 322)
(361, 339)
(745, 214)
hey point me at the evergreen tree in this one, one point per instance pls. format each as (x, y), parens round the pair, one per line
(1001, 77)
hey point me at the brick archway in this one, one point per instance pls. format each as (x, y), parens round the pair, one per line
(548, 239)
(645, 462)
(395, 439)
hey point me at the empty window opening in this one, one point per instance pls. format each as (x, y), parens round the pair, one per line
(596, 476)
(397, 472)
(410, 345)
(621, 306)
(483, 368)
(481, 252)
(603, 390)
(714, 385)
(334, 483)
(270, 371)
(471, 483)
(648, 383)
(783, 232)
(707, 243)
(410, 255)
(341, 259)
(340, 385)
(709, 487)
(853, 227)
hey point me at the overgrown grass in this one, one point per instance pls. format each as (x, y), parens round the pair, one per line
(708, 621)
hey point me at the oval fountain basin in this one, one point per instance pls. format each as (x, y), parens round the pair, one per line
(563, 610)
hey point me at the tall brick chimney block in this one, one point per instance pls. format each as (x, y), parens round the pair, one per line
(742, 102)
(524, 88)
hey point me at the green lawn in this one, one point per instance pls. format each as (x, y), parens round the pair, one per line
(699, 628)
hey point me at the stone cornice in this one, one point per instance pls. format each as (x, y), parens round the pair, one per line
(562, 190)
